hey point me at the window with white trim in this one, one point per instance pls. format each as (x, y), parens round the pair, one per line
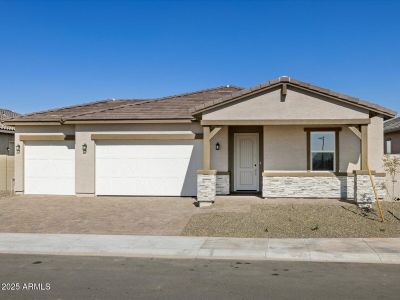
(323, 150)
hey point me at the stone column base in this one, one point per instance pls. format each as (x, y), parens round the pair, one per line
(206, 187)
(363, 192)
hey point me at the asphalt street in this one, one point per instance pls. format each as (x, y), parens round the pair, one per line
(78, 277)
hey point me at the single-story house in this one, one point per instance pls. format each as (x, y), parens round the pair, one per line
(392, 136)
(282, 138)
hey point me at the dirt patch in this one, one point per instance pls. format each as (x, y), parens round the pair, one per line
(298, 221)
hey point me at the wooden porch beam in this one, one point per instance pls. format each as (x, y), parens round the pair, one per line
(215, 131)
(355, 131)
(319, 122)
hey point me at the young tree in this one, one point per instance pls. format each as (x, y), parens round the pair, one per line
(392, 167)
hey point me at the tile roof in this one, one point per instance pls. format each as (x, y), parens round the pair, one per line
(172, 107)
(182, 106)
(64, 113)
(291, 81)
(392, 125)
(6, 114)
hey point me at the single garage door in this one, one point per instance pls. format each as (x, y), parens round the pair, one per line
(50, 167)
(148, 168)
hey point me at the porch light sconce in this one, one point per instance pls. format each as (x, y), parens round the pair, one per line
(84, 148)
(217, 146)
(18, 149)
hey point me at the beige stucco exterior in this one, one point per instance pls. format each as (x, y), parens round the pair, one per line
(219, 159)
(285, 149)
(296, 105)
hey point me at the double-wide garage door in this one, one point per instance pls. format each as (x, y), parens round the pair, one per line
(49, 167)
(151, 168)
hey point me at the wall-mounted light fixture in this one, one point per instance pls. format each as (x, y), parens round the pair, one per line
(84, 148)
(18, 148)
(217, 146)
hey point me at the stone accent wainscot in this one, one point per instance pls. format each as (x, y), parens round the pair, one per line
(222, 184)
(308, 186)
(206, 187)
(363, 188)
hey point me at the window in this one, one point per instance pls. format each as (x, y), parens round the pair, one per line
(389, 146)
(322, 148)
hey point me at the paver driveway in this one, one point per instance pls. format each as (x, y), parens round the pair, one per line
(107, 215)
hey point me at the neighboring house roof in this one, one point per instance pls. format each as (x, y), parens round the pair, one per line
(6, 114)
(296, 83)
(392, 125)
(182, 106)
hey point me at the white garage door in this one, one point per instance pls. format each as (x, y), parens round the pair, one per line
(152, 168)
(50, 167)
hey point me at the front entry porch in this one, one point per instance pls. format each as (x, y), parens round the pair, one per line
(288, 161)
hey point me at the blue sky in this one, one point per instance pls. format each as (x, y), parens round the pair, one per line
(55, 53)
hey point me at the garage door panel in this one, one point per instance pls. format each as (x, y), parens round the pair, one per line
(36, 186)
(147, 168)
(143, 151)
(135, 167)
(144, 186)
(46, 169)
(50, 167)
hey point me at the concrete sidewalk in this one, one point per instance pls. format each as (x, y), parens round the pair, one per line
(368, 250)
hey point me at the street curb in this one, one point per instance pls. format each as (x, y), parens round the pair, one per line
(350, 250)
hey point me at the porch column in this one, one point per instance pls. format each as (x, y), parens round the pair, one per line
(364, 147)
(363, 192)
(206, 148)
(206, 178)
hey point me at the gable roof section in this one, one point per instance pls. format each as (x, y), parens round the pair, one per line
(4, 115)
(167, 108)
(296, 83)
(392, 125)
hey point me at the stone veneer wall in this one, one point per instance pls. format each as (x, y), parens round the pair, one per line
(206, 187)
(308, 187)
(364, 191)
(222, 184)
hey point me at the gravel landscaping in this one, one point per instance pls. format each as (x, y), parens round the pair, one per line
(288, 220)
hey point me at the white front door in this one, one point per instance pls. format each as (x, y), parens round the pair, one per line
(246, 162)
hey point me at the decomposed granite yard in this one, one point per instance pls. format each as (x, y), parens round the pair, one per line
(233, 216)
(304, 220)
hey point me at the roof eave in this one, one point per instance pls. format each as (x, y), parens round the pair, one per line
(387, 113)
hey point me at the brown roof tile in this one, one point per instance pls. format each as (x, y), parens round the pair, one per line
(172, 107)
